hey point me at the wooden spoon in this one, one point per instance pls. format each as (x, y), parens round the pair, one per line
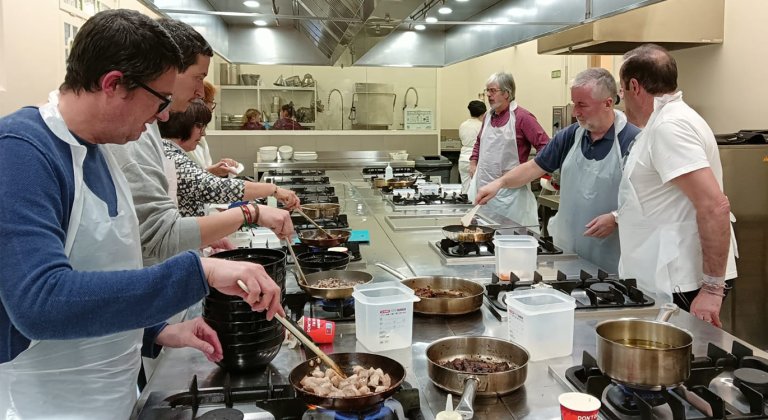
(325, 232)
(466, 220)
(309, 344)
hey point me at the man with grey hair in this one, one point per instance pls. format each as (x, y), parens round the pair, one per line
(676, 233)
(504, 142)
(589, 154)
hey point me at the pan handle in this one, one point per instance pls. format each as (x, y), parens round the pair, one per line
(468, 398)
(391, 270)
(666, 311)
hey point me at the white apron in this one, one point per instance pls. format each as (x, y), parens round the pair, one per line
(91, 378)
(498, 154)
(659, 254)
(589, 188)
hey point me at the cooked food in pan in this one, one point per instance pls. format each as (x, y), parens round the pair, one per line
(334, 283)
(477, 365)
(363, 382)
(473, 230)
(429, 292)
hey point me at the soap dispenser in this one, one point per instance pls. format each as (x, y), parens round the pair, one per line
(388, 172)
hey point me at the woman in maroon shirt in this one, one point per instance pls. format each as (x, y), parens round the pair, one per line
(287, 121)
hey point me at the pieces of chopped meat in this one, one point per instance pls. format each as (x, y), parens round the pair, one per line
(470, 365)
(330, 384)
(429, 292)
(334, 283)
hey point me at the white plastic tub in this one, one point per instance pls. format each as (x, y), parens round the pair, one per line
(541, 320)
(515, 254)
(384, 315)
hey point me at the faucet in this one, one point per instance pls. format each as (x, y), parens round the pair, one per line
(405, 98)
(341, 97)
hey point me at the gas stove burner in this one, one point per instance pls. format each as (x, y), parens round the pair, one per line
(379, 172)
(695, 399)
(338, 222)
(428, 199)
(314, 190)
(754, 378)
(343, 307)
(223, 414)
(296, 172)
(625, 399)
(465, 249)
(300, 180)
(317, 198)
(378, 412)
(603, 291)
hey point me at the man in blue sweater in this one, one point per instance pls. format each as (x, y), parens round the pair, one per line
(589, 155)
(76, 307)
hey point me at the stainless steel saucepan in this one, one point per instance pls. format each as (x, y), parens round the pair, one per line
(645, 354)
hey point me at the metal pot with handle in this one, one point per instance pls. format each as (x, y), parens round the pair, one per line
(645, 354)
(468, 385)
(459, 305)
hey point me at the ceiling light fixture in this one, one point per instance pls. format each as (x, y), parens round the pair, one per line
(461, 1)
(260, 22)
(431, 19)
(419, 27)
(444, 10)
(251, 3)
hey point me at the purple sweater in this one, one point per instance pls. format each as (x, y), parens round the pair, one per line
(41, 296)
(527, 130)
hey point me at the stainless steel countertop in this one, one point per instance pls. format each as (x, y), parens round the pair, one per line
(409, 253)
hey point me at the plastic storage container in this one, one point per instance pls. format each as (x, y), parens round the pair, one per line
(515, 254)
(384, 315)
(434, 166)
(541, 320)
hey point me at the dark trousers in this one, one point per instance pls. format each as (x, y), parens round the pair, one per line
(684, 299)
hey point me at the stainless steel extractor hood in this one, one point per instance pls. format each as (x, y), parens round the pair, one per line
(674, 24)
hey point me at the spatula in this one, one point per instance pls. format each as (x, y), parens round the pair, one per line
(309, 344)
(466, 220)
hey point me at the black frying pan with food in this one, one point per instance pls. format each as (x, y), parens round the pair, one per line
(346, 361)
(314, 237)
(349, 279)
(473, 233)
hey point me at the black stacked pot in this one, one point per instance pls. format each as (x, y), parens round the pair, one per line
(249, 341)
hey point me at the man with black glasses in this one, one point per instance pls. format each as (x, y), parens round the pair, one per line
(77, 309)
(152, 177)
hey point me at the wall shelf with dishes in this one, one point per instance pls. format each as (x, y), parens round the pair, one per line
(236, 100)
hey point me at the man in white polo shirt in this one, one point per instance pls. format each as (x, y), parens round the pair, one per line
(675, 221)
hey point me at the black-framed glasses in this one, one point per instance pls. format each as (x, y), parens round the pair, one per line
(491, 91)
(166, 100)
(211, 105)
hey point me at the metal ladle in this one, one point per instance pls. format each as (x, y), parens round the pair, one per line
(304, 340)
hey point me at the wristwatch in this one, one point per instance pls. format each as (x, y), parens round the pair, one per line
(615, 215)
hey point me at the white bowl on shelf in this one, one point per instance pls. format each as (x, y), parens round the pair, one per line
(285, 152)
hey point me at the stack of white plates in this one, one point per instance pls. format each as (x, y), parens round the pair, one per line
(268, 153)
(304, 155)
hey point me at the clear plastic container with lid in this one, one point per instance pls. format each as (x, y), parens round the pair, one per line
(384, 315)
(541, 320)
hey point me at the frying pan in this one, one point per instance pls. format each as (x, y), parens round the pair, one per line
(359, 277)
(645, 354)
(442, 305)
(321, 210)
(313, 237)
(479, 233)
(395, 370)
(468, 385)
(400, 182)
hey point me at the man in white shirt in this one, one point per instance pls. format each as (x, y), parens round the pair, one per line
(468, 131)
(676, 235)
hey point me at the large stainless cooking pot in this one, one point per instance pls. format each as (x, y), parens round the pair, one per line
(645, 354)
